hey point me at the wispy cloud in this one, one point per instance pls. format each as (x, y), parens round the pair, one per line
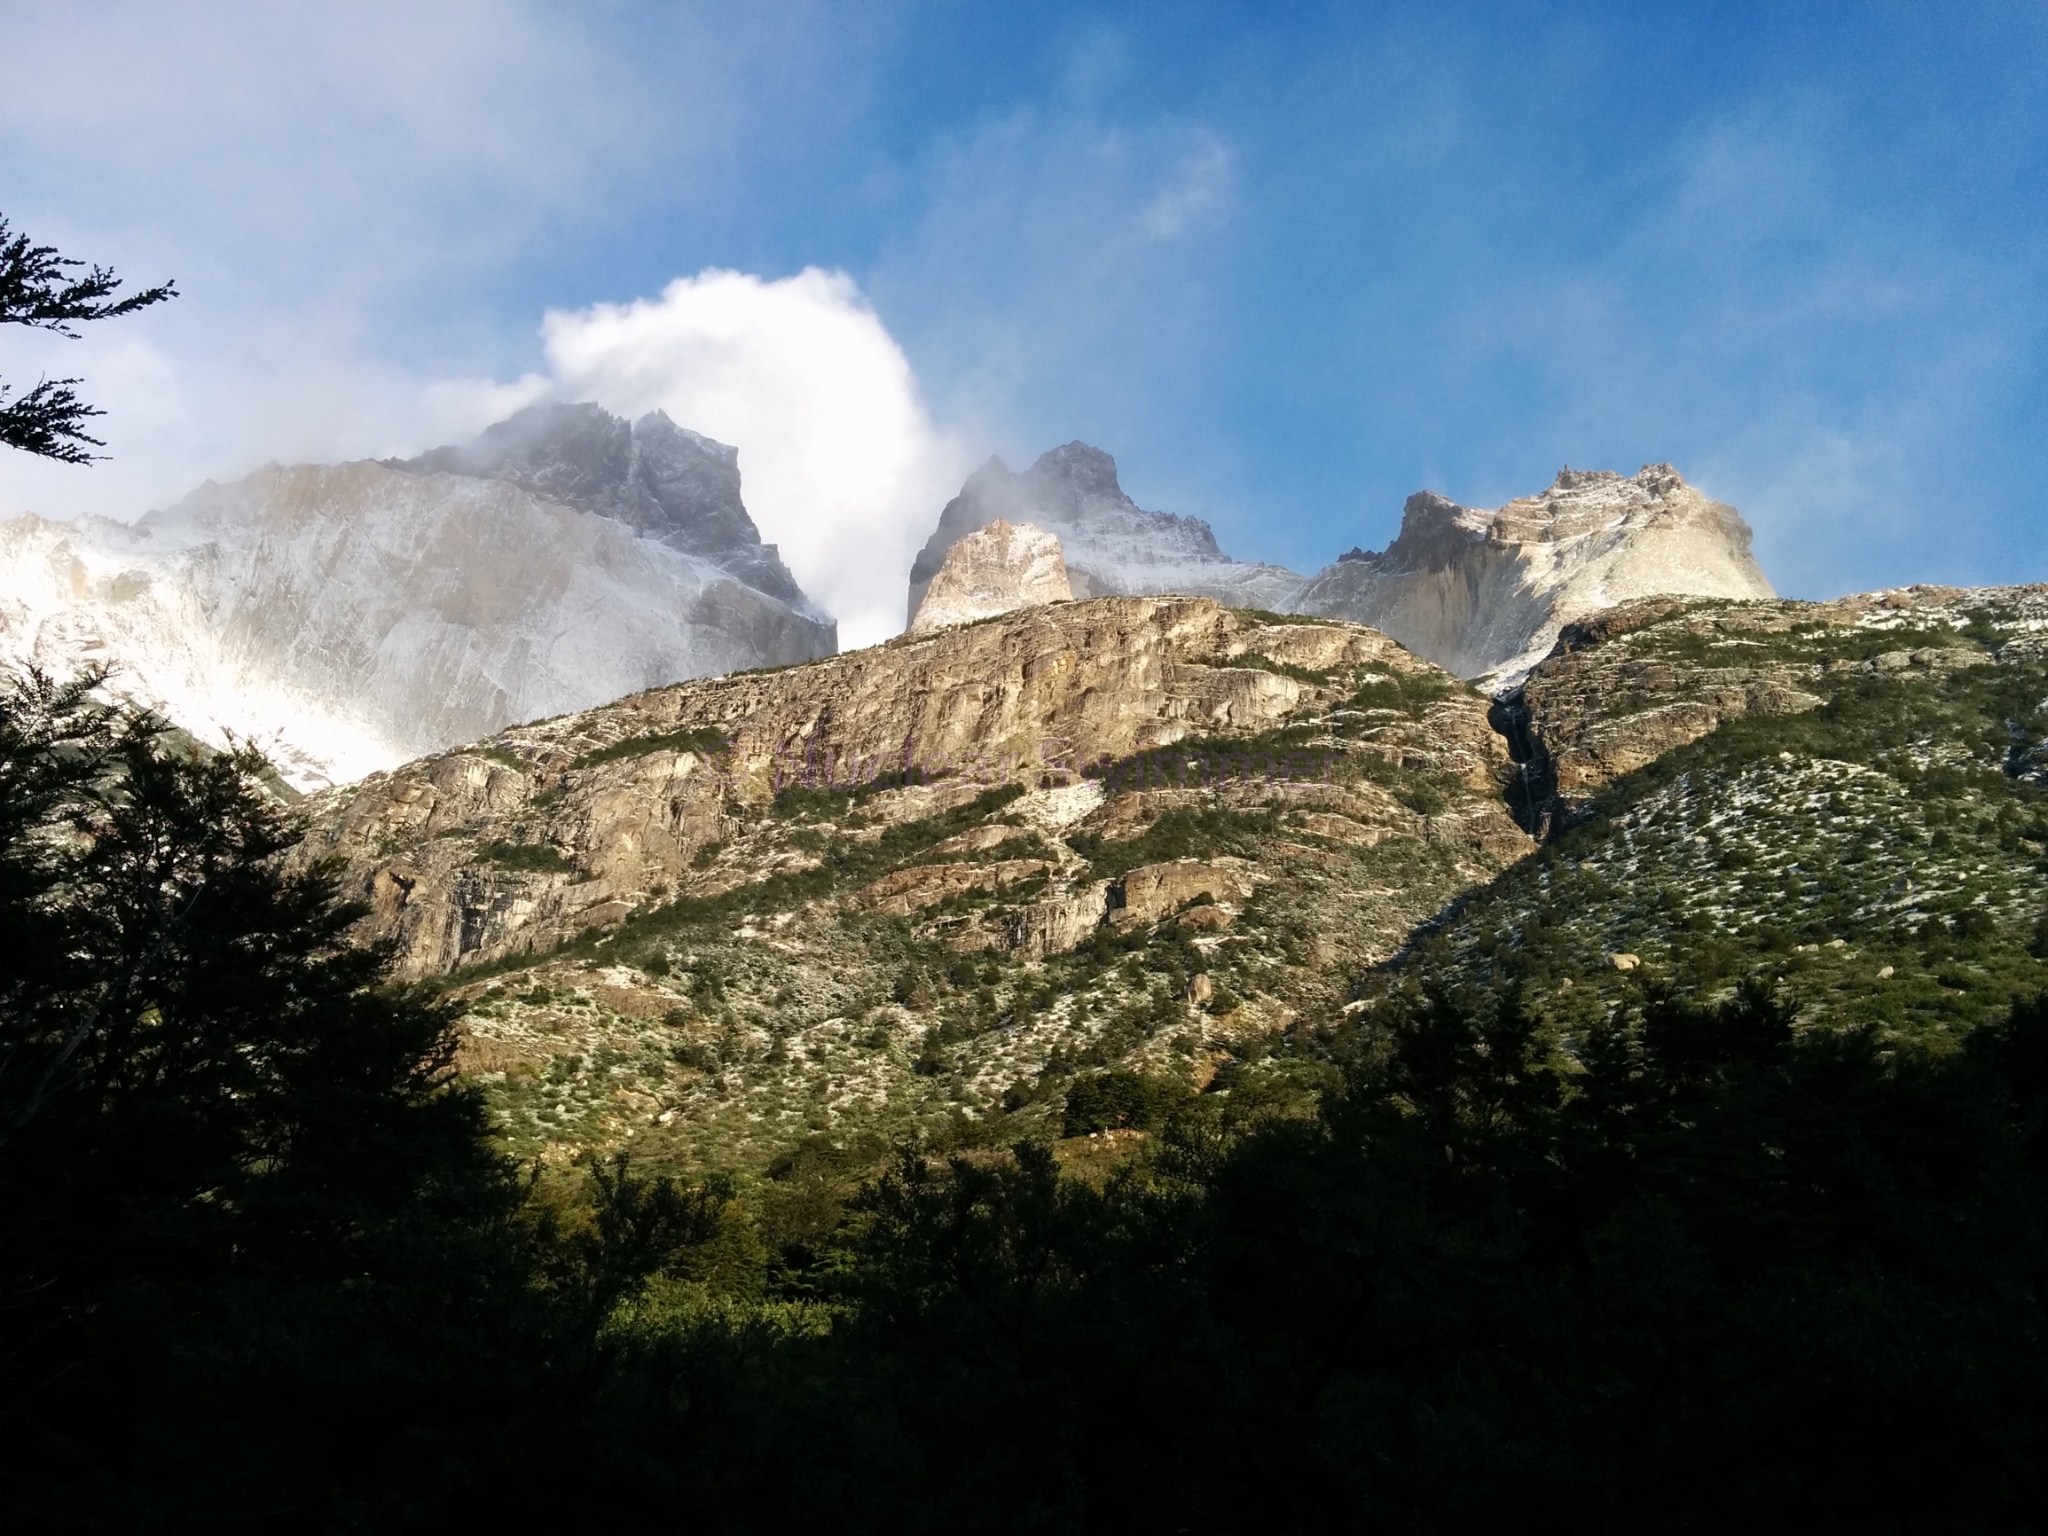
(1287, 266)
(356, 201)
(841, 465)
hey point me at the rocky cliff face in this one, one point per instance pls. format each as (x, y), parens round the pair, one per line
(1627, 687)
(660, 479)
(1486, 592)
(349, 617)
(993, 570)
(537, 834)
(1112, 545)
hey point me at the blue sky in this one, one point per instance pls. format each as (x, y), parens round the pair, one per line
(1288, 263)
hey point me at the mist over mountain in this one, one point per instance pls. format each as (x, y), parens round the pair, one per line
(662, 480)
(1113, 547)
(348, 617)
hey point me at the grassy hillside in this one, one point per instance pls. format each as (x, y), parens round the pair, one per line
(1185, 1148)
(1882, 856)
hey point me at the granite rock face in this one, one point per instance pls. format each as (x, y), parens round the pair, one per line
(662, 480)
(1485, 593)
(993, 570)
(526, 840)
(349, 617)
(1112, 545)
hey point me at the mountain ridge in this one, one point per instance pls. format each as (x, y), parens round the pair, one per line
(1113, 547)
(1480, 592)
(939, 882)
(1485, 592)
(349, 617)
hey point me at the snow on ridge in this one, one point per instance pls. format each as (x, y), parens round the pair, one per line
(1113, 546)
(350, 617)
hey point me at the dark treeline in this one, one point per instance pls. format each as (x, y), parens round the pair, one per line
(264, 1270)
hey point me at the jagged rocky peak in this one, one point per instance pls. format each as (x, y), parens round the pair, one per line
(346, 617)
(1589, 501)
(1483, 593)
(662, 480)
(1112, 545)
(1579, 503)
(993, 570)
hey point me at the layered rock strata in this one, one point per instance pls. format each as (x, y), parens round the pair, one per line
(529, 838)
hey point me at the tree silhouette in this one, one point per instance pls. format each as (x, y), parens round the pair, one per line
(42, 289)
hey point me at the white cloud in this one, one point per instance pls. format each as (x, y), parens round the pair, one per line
(354, 201)
(1199, 186)
(841, 465)
(357, 199)
(179, 414)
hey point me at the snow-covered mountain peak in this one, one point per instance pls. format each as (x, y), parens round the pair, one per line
(347, 617)
(662, 480)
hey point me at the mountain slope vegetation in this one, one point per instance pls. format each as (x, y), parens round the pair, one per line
(1179, 1143)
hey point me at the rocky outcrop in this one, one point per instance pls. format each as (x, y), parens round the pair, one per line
(528, 838)
(995, 569)
(909, 891)
(349, 617)
(1042, 929)
(1626, 687)
(1485, 593)
(1112, 545)
(661, 480)
(1154, 891)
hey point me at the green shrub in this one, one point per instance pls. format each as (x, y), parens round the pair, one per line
(700, 739)
(1119, 1100)
(528, 858)
(1408, 692)
(1422, 797)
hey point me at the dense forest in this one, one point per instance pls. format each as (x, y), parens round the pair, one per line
(1701, 1266)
